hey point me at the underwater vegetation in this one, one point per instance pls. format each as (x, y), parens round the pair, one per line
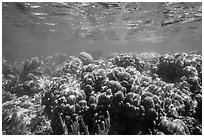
(124, 95)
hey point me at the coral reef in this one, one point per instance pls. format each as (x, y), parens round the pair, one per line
(124, 95)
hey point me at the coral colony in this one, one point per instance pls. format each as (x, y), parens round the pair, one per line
(125, 94)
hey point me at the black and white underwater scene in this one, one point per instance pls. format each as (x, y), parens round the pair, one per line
(101, 68)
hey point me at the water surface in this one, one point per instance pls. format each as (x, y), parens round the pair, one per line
(43, 29)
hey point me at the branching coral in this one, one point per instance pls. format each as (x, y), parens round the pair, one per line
(118, 96)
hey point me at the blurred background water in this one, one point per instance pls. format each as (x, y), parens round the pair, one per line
(43, 29)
